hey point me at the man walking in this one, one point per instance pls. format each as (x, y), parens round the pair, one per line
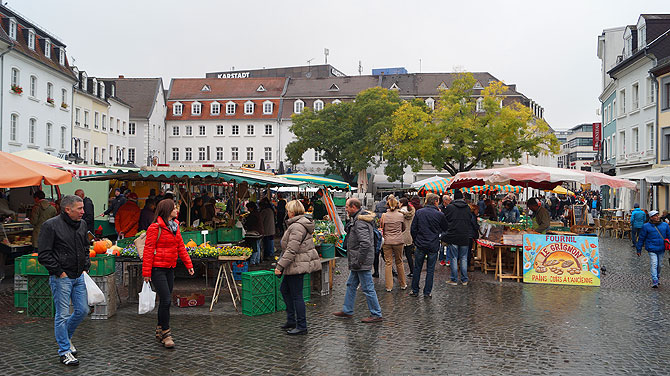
(460, 231)
(360, 244)
(88, 210)
(637, 219)
(427, 225)
(63, 250)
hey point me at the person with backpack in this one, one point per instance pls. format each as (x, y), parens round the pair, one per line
(653, 236)
(360, 245)
(428, 224)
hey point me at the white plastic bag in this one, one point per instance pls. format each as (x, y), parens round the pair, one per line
(147, 299)
(95, 295)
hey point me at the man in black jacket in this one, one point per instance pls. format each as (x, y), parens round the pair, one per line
(460, 231)
(88, 210)
(427, 225)
(63, 250)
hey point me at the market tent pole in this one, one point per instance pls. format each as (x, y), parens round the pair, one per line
(188, 203)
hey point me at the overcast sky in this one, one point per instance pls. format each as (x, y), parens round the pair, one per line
(547, 48)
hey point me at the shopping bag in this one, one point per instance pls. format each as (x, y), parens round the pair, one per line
(95, 295)
(147, 299)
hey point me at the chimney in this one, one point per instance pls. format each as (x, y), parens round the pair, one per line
(121, 76)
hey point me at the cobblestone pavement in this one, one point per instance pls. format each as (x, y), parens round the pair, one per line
(485, 328)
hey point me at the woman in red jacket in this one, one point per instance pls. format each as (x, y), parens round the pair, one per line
(162, 247)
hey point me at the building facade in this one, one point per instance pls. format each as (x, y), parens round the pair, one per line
(661, 74)
(578, 152)
(36, 88)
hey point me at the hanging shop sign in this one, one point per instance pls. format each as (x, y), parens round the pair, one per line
(561, 259)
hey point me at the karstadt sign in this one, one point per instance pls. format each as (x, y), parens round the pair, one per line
(234, 75)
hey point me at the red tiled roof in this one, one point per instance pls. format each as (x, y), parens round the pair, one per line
(228, 88)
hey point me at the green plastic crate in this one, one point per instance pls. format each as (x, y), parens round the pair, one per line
(339, 201)
(33, 267)
(38, 286)
(260, 282)
(212, 237)
(102, 265)
(20, 265)
(254, 305)
(40, 307)
(196, 236)
(229, 234)
(125, 242)
(306, 291)
(20, 299)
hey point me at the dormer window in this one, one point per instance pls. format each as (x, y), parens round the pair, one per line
(215, 108)
(478, 86)
(442, 86)
(102, 90)
(394, 86)
(84, 81)
(249, 108)
(206, 88)
(47, 48)
(94, 87)
(334, 87)
(230, 108)
(298, 106)
(113, 89)
(61, 59)
(261, 88)
(337, 101)
(177, 109)
(267, 107)
(318, 105)
(642, 36)
(196, 108)
(31, 39)
(12, 29)
(627, 47)
(430, 102)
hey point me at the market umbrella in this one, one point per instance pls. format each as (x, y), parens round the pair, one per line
(597, 179)
(317, 180)
(21, 172)
(539, 177)
(493, 188)
(560, 190)
(438, 187)
(420, 183)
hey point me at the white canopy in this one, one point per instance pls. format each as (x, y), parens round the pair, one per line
(654, 176)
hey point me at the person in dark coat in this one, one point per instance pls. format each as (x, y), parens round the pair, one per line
(428, 224)
(460, 231)
(89, 210)
(117, 202)
(147, 215)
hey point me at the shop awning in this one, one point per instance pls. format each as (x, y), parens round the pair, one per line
(317, 180)
(21, 172)
(654, 176)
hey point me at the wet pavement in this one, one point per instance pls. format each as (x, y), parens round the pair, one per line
(485, 328)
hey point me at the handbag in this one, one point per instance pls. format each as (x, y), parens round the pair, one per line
(140, 243)
(665, 241)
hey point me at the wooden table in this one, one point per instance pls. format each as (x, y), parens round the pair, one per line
(326, 275)
(517, 271)
(226, 272)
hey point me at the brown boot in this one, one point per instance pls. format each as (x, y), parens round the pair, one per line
(167, 339)
(159, 337)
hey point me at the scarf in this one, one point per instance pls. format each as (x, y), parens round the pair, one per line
(173, 226)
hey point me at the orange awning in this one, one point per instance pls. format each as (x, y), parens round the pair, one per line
(21, 172)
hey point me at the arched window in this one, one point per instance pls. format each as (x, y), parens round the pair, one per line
(318, 105)
(298, 106)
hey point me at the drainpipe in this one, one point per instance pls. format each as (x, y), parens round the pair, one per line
(2, 83)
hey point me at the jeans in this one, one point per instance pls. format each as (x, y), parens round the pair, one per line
(163, 280)
(656, 260)
(64, 290)
(291, 291)
(409, 255)
(460, 254)
(364, 278)
(419, 256)
(269, 246)
(635, 234)
(391, 253)
(256, 254)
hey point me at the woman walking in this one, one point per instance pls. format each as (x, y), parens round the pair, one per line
(298, 258)
(393, 226)
(162, 247)
(408, 211)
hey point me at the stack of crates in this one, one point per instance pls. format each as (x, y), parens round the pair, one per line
(306, 291)
(40, 302)
(239, 267)
(258, 292)
(102, 265)
(20, 284)
(107, 309)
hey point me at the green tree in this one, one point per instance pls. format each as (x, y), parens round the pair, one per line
(461, 134)
(347, 134)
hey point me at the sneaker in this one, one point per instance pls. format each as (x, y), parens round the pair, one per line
(69, 360)
(342, 314)
(654, 286)
(389, 290)
(375, 275)
(413, 294)
(403, 287)
(428, 296)
(448, 263)
(443, 263)
(452, 283)
(73, 350)
(372, 319)
(465, 283)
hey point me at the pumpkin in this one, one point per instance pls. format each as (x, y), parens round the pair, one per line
(108, 243)
(34, 254)
(191, 244)
(91, 253)
(100, 247)
(116, 252)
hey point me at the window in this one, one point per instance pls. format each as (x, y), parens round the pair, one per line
(13, 127)
(298, 106)
(111, 124)
(63, 98)
(430, 102)
(131, 129)
(230, 108)
(118, 126)
(196, 108)
(636, 140)
(318, 105)
(267, 107)
(650, 132)
(235, 130)
(614, 146)
(219, 129)
(86, 119)
(94, 86)
(47, 48)
(31, 39)
(665, 94)
(201, 130)
(31, 131)
(96, 120)
(50, 92)
(175, 130)
(642, 36)
(95, 154)
(268, 154)
(250, 130)
(177, 109)
(16, 77)
(628, 47)
(12, 28)
(337, 101)
(249, 108)
(104, 122)
(85, 151)
(215, 108)
(622, 101)
(63, 136)
(33, 86)
(614, 108)
(250, 153)
(219, 153)
(480, 105)
(175, 154)
(636, 97)
(201, 153)
(84, 81)
(234, 154)
(61, 60)
(49, 127)
(189, 154)
(131, 154)
(268, 129)
(189, 130)
(318, 157)
(622, 139)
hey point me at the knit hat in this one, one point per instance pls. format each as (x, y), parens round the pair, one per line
(458, 195)
(636, 205)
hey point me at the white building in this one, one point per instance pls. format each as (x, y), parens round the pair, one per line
(119, 117)
(36, 88)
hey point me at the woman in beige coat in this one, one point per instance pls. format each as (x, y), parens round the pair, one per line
(299, 257)
(393, 226)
